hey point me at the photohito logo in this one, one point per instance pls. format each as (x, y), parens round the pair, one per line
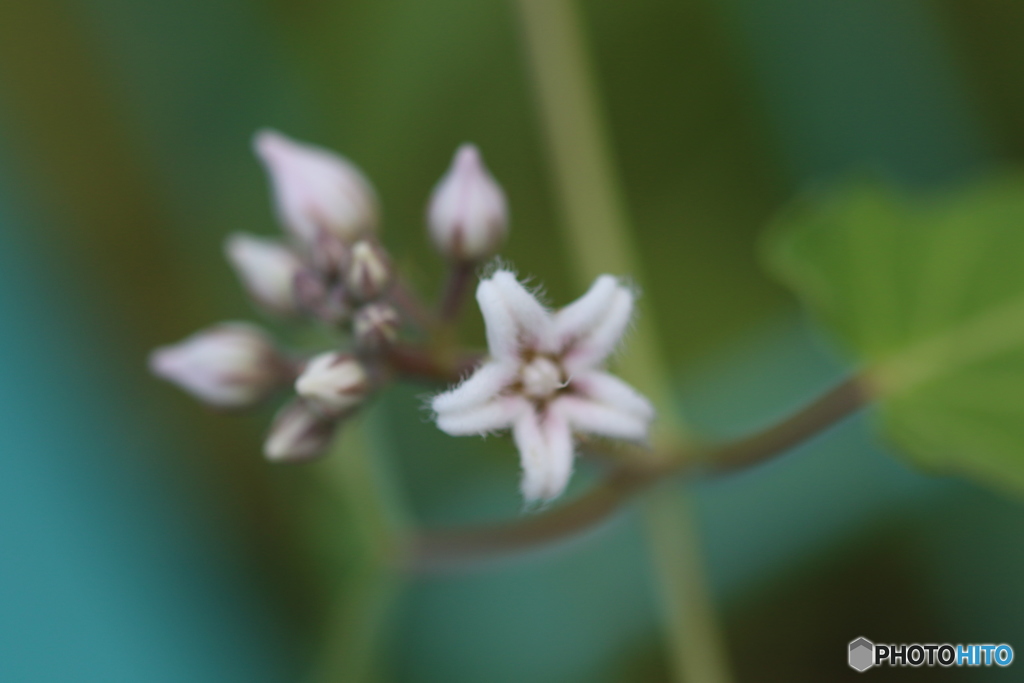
(863, 654)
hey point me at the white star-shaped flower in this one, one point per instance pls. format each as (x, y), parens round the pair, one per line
(544, 378)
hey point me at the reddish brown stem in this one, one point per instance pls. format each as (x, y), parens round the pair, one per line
(415, 362)
(410, 304)
(438, 550)
(433, 551)
(829, 408)
(459, 281)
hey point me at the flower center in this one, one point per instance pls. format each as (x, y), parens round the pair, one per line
(541, 377)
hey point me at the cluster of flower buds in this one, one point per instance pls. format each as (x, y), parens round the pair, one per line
(329, 267)
(333, 263)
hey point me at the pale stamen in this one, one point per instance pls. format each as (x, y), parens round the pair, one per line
(541, 377)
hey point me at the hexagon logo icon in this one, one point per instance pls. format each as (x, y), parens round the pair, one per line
(862, 654)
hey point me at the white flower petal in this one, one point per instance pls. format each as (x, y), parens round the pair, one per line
(500, 413)
(514, 318)
(611, 391)
(482, 386)
(591, 417)
(591, 349)
(581, 316)
(546, 453)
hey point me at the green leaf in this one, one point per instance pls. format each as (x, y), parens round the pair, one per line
(927, 293)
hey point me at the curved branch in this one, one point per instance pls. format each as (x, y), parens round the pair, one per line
(437, 550)
(434, 550)
(842, 400)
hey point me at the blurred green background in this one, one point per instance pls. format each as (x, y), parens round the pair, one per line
(144, 539)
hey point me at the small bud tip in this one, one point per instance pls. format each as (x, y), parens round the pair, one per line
(334, 383)
(267, 143)
(467, 157)
(161, 362)
(298, 434)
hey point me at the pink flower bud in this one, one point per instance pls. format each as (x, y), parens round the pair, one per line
(329, 255)
(268, 270)
(298, 433)
(369, 271)
(321, 299)
(334, 383)
(316, 190)
(231, 365)
(467, 216)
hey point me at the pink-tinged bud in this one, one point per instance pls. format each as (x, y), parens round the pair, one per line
(369, 271)
(298, 433)
(268, 270)
(231, 365)
(375, 326)
(321, 299)
(316, 190)
(468, 217)
(334, 383)
(329, 256)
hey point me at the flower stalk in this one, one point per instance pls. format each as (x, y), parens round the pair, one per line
(356, 631)
(597, 229)
(442, 550)
(460, 281)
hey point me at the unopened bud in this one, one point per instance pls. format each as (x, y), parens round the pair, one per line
(316, 190)
(375, 325)
(369, 271)
(267, 268)
(321, 299)
(468, 217)
(231, 365)
(310, 290)
(334, 383)
(329, 255)
(298, 433)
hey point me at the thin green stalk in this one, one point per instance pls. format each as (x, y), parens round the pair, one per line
(698, 654)
(365, 594)
(595, 223)
(597, 229)
(352, 640)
